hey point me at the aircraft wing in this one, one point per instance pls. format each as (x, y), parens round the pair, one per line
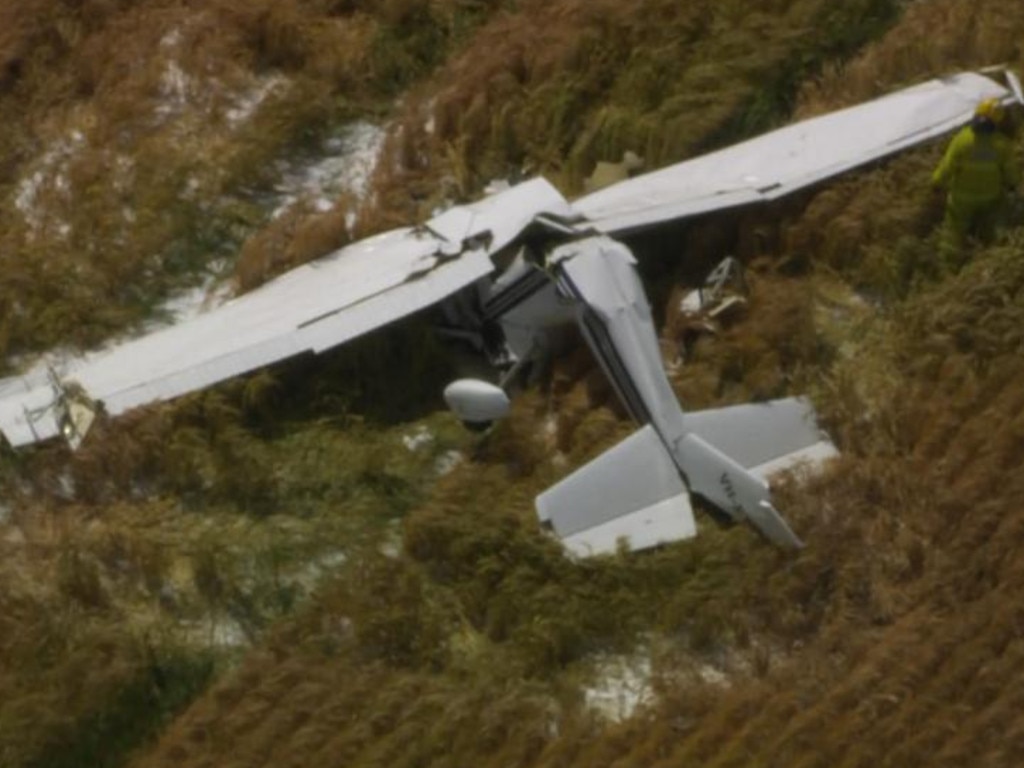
(791, 158)
(317, 306)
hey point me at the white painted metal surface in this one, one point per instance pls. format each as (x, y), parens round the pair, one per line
(1015, 87)
(794, 157)
(636, 490)
(476, 401)
(661, 523)
(630, 491)
(504, 215)
(731, 488)
(310, 309)
(599, 275)
(414, 294)
(755, 434)
(256, 329)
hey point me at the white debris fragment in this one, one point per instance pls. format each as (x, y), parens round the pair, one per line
(246, 103)
(172, 39)
(174, 82)
(418, 439)
(50, 172)
(392, 548)
(174, 90)
(391, 540)
(430, 124)
(348, 162)
(446, 462)
(712, 675)
(623, 685)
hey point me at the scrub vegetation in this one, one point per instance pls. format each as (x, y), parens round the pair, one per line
(315, 566)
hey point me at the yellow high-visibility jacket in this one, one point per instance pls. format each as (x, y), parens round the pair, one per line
(978, 168)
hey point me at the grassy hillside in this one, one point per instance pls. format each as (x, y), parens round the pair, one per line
(313, 567)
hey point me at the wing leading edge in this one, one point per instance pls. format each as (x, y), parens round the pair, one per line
(313, 308)
(791, 158)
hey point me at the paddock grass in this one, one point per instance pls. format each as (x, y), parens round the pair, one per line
(266, 574)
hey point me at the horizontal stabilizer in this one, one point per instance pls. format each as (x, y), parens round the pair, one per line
(632, 491)
(764, 437)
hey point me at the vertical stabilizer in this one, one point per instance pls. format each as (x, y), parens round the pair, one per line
(733, 489)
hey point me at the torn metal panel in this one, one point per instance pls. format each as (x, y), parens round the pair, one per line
(789, 159)
(507, 214)
(529, 322)
(28, 408)
(502, 216)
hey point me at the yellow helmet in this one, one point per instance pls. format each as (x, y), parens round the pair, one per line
(990, 109)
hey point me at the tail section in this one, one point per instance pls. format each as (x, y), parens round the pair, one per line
(735, 490)
(638, 490)
(632, 491)
(764, 437)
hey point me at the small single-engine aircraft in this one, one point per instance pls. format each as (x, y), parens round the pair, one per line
(506, 272)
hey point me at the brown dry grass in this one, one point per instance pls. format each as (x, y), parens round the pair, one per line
(556, 88)
(146, 134)
(893, 639)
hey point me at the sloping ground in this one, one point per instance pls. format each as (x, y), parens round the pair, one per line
(893, 639)
(139, 137)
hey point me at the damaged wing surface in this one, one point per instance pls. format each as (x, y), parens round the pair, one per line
(320, 305)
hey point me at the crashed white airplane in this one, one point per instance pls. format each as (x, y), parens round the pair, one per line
(560, 265)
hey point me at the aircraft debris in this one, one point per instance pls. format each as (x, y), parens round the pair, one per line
(508, 272)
